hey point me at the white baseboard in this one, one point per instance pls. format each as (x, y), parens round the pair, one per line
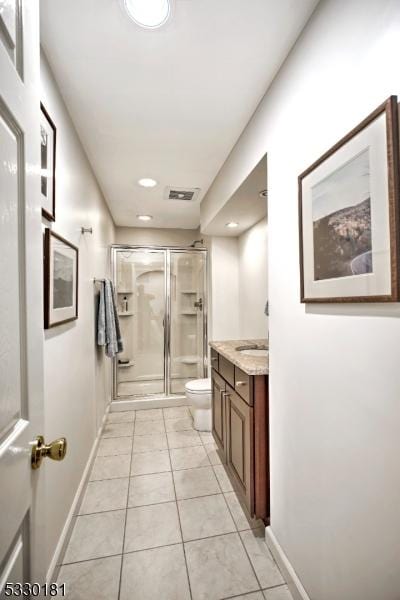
(65, 534)
(143, 403)
(289, 574)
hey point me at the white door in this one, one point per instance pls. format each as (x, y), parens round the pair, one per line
(21, 314)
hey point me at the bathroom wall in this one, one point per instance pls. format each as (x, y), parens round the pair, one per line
(76, 374)
(157, 237)
(253, 278)
(223, 310)
(335, 380)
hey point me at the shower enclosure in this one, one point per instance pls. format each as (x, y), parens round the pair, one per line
(162, 304)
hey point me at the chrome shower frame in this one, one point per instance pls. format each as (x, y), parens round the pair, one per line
(115, 248)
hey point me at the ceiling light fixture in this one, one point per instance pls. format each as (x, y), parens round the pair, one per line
(147, 182)
(232, 225)
(150, 14)
(144, 217)
(263, 194)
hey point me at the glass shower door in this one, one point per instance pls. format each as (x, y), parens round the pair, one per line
(187, 321)
(141, 298)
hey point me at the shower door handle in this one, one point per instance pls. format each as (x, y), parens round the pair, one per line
(199, 304)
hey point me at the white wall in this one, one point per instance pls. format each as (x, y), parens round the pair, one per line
(253, 277)
(335, 377)
(154, 236)
(76, 374)
(223, 309)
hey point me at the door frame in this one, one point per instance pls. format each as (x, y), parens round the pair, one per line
(115, 248)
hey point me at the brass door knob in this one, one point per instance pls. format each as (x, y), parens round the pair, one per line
(55, 450)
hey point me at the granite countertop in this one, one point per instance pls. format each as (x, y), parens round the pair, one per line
(252, 365)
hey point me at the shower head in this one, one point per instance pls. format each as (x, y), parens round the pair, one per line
(193, 245)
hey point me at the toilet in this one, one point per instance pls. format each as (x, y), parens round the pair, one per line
(198, 393)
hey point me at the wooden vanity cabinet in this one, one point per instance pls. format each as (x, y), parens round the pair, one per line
(240, 429)
(240, 444)
(219, 411)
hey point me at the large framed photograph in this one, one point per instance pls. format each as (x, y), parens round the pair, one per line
(60, 280)
(48, 134)
(349, 215)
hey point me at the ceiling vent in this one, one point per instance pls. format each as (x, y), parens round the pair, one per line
(177, 193)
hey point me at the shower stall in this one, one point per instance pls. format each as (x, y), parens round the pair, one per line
(161, 298)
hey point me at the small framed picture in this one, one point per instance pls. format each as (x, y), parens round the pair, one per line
(349, 215)
(48, 135)
(60, 280)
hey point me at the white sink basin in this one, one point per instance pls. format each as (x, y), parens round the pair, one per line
(254, 352)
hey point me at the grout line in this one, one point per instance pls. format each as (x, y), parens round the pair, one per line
(180, 524)
(123, 538)
(250, 561)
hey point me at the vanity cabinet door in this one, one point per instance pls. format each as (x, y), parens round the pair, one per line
(218, 410)
(240, 451)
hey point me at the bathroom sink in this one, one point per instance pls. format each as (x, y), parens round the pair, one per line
(254, 352)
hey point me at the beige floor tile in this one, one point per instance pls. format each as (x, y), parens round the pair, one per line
(191, 483)
(206, 437)
(264, 565)
(96, 536)
(189, 458)
(182, 439)
(111, 467)
(240, 515)
(151, 489)
(279, 593)
(157, 574)
(223, 478)
(180, 424)
(218, 568)
(113, 446)
(114, 430)
(127, 416)
(109, 494)
(149, 414)
(212, 453)
(146, 443)
(96, 579)
(176, 412)
(203, 517)
(149, 427)
(152, 526)
(145, 463)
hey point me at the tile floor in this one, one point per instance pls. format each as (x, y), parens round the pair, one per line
(160, 521)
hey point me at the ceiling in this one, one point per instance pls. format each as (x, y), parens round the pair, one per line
(245, 207)
(168, 104)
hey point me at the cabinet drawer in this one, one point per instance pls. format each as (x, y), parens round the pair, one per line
(227, 370)
(244, 385)
(214, 359)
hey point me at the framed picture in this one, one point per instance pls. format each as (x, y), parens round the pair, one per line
(60, 280)
(349, 215)
(48, 134)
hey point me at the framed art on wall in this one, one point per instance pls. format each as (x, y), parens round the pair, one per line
(60, 280)
(349, 215)
(48, 134)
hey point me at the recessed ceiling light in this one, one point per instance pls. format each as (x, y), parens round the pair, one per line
(263, 194)
(232, 225)
(148, 13)
(147, 182)
(144, 217)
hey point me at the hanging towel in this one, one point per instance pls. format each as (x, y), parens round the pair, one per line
(108, 329)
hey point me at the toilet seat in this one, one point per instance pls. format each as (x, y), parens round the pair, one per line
(199, 386)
